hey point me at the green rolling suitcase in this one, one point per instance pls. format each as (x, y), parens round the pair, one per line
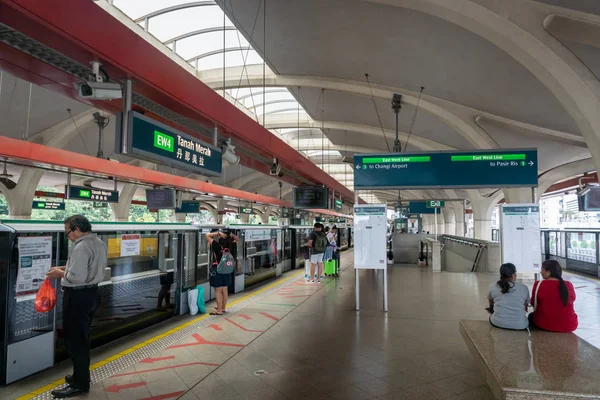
(330, 267)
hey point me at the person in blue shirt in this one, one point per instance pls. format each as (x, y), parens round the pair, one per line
(508, 300)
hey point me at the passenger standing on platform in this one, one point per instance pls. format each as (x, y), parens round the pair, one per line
(80, 279)
(553, 300)
(508, 300)
(318, 244)
(218, 241)
(336, 250)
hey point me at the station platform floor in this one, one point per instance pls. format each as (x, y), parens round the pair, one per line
(294, 340)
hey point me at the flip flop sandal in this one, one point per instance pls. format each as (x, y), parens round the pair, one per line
(215, 313)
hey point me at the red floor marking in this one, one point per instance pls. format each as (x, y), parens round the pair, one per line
(117, 388)
(241, 327)
(269, 316)
(153, 360)
(246, 317)
(200, 340)
(215, 327)
(164, 368)
(164, 396)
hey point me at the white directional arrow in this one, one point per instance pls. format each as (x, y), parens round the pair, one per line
(531, 163)
(358, 167)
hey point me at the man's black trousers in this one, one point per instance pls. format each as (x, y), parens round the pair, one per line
(79, 306)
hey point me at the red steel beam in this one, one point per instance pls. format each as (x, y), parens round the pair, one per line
(37, 154)
(84, 32)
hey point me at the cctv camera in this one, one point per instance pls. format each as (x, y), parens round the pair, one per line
(99, 90)
(229, 155)
(275, 168)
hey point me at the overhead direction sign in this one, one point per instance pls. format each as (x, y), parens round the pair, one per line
(447, 169)
(85, 193)
(309, 197)
(188, 207)
(157, 142)
(48, 205)
(246, 210)
(420, 207)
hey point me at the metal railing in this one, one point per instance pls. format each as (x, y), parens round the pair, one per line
(478, 247)
(575, 249)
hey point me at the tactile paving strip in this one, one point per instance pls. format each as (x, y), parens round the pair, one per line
(105, 371)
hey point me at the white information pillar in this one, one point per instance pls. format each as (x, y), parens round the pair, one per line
(370, 237)
(435, 222)
(520, 230)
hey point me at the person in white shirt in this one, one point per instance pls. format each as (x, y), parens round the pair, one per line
(332, 238)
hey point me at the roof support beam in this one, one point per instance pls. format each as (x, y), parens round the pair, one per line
(254, 78)
(521, 32)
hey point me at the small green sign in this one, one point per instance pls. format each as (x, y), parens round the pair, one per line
(246, 210)
(489, 157)
(86, 194)
(338, 204)
(387, 160)
(164, 142)
(435, 203)
(48, 205)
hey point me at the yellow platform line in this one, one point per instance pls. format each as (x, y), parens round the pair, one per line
(99, 364)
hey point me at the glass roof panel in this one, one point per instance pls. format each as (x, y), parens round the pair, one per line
(138, 8)
(172, 24)
(232, 59)
(212, 41)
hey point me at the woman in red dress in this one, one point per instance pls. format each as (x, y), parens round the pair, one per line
(553, 300)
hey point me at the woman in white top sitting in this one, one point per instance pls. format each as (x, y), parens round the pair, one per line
(508, 300)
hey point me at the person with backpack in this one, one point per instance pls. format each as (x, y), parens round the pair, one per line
(318, 244)
(223, 245)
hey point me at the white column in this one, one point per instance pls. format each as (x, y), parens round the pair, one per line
(518, 196)
(449, 219)
(482, 216)
(221, 204)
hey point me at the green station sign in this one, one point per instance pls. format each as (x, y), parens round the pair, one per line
(48, 205)
(434, 203)
(246, 210)
(153, 141)
(338, 204)
(447, 169)
(85, 193)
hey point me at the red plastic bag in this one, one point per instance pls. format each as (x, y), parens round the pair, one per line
(45, 300)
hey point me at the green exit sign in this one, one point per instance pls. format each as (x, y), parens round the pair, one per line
(246, 210)
(86, 194)
(435, 203)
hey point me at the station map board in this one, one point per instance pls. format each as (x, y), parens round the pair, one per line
(370, 236)
(447, 169)
(521, 243)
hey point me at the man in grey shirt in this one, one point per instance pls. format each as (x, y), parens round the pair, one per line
(79, 280)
